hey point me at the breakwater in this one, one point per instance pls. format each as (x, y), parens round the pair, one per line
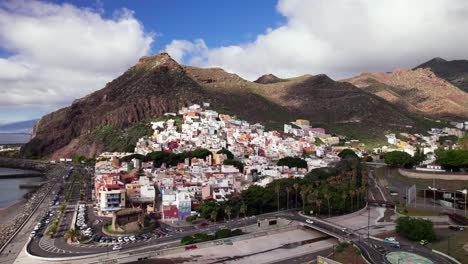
(36, 165)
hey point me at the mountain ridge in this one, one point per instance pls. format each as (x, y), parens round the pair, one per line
(455, 71)
(114, 117)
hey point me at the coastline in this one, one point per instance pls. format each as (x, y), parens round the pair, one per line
(12, 210)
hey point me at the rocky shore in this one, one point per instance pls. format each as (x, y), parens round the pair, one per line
(17, 214)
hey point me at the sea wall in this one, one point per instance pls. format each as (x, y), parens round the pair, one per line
(433, 175)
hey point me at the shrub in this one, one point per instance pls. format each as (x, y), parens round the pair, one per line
(223, 233)
(341, 246)
(191, 218)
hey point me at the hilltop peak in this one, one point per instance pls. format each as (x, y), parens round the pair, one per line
(268, 78)
(160, 59)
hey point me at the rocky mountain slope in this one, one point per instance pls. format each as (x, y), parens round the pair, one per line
(418, 90)
(268, 78)
(114, 117)
(455, 72)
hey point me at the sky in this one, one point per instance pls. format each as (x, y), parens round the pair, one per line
(53, 52)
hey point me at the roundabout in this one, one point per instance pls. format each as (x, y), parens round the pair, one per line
(400, 257)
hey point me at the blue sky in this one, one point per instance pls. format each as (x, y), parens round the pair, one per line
(218, 23)
(53, 52)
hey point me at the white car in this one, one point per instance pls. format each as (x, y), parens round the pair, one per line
(132, 238)
(117, 247)
(120, 239)
(126, 239)
(309, 221)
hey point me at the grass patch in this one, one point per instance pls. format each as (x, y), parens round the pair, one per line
(409, 211)
(122, 140)
(347, 253)
(457, 240)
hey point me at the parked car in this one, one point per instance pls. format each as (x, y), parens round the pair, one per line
(423, 242)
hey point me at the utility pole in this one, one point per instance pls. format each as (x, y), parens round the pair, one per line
(368, 211)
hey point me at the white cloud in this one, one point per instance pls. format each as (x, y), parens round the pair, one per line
(62, 52)
(342, 38)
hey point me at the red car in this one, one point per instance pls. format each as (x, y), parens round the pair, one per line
(191, 247)
(204, 224)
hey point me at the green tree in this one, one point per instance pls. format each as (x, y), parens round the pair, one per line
(296, 187)
(348, 153)
(228, 211)
(243, 210)
(398, 158)
(292, 162)
(415, 228)
(213, 216)
(277, 191)
(228, 153)
(239, 165)
(453, 159)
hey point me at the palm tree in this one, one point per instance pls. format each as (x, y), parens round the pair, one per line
(288, 190)
(352, 193)
(228, 211)
(277, 190)
(344, 196)
(72, 234)
(296, 187)
(303, 196)
(319, 205)
(311, 199)
(243, 209)
(327, 197)
(214, 215)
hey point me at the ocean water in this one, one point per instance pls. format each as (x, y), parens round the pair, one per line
(14, 138)
(10, 192)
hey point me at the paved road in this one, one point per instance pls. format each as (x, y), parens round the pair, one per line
(17, 244)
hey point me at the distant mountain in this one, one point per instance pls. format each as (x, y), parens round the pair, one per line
(268, 78)
(18, 127)
(455, 72)
(114, 117)
(417, 91)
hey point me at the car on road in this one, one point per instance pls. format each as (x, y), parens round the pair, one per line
(191, 247)
(120, 239)
(203, 224)
(423, 242)
(456, 228)
(309, 221)
(126, 239)
(117, 247)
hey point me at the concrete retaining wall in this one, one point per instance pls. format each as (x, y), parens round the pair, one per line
(433, 175)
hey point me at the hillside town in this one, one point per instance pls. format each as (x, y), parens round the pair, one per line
(174, 191)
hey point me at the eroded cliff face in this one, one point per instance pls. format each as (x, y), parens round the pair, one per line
(152, 87)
